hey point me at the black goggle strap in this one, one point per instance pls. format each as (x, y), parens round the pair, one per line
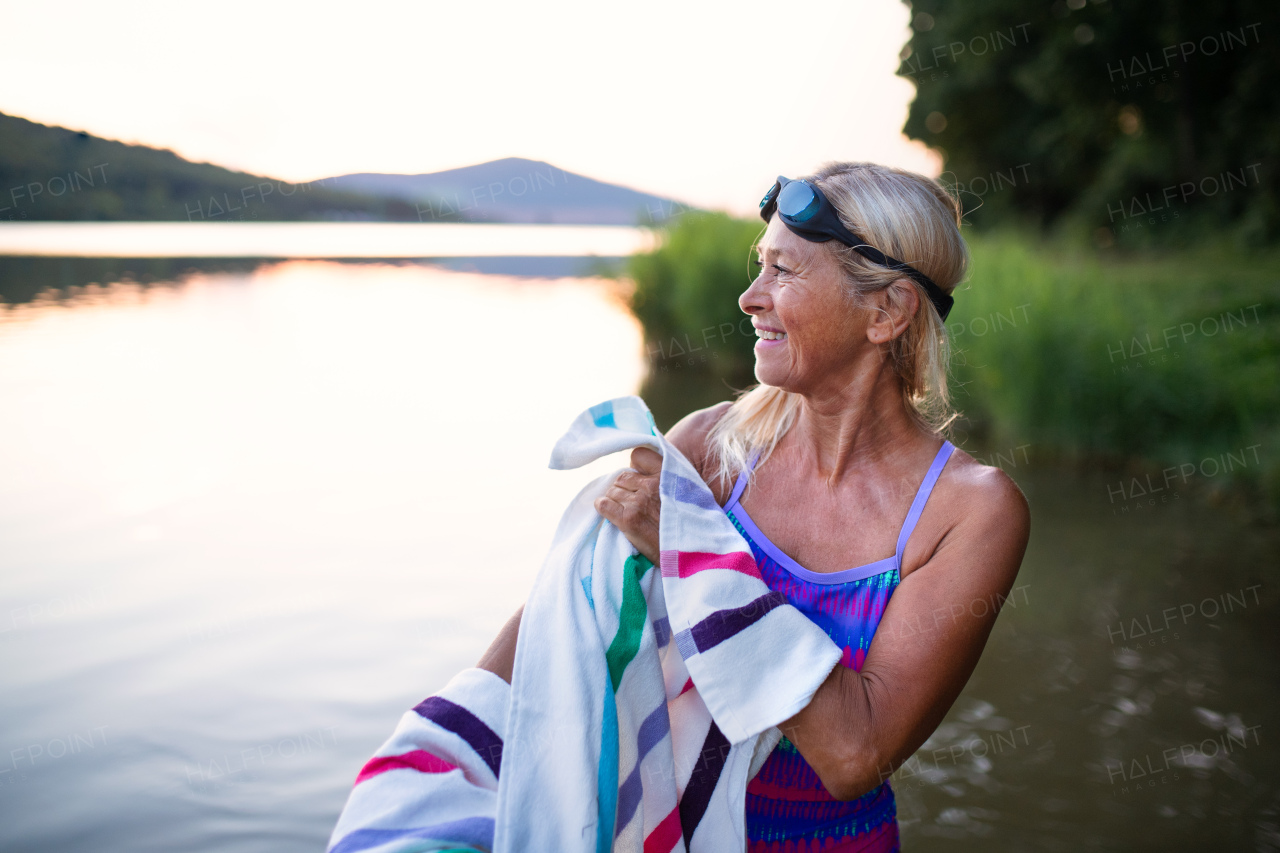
(941, 301)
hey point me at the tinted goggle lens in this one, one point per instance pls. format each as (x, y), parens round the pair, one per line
(769, 196)
(798, 201)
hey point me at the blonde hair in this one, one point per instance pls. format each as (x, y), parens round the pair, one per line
(911, 218)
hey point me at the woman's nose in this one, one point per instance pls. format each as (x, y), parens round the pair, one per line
(752, 300)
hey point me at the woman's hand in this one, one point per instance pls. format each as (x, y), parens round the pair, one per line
(500, 658)
(632, 502)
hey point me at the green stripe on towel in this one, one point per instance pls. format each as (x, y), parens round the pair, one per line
(631, 618)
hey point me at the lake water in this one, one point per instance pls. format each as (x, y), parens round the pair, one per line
(315, 239)
(249, 516)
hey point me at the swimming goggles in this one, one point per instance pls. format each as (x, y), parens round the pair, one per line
(807, 212)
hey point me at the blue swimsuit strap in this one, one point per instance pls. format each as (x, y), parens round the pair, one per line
(913, 514)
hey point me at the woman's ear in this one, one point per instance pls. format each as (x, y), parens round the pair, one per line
(895, 307)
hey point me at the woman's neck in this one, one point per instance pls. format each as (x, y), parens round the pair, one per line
(864, 424)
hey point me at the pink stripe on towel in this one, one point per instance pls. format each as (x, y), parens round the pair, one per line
(420, 760)
(685, 563)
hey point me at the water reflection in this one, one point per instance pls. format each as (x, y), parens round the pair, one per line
(250, 514)
(1078, 732)
(249, 518)
(317, 239)
(23, 278)
(1127, 690)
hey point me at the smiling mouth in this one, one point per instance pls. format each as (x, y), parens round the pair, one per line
(771, 336)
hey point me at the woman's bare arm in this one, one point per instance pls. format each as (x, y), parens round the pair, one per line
(500, 657)
(641, 517)
(860, 726)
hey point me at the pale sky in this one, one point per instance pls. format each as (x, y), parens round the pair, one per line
(703, 102)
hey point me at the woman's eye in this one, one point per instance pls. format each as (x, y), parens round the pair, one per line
(777, 270)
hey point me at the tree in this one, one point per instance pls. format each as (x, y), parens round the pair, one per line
(1136, 120)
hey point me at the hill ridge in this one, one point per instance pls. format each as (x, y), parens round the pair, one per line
(50, 173)
(515, 189)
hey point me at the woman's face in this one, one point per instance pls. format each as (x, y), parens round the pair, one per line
(799, 302)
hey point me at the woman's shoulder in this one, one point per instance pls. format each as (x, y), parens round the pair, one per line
(689, 435)
(986, 493)
(975, 510)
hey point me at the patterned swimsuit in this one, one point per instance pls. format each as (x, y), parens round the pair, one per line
(788, 809)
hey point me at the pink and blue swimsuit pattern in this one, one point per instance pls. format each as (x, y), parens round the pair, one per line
(788, 809)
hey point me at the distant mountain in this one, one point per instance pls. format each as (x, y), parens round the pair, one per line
(514, 190)
(51, 173)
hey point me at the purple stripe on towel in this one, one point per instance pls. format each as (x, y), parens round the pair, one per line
(689, 492)
(652, 730)
(473, 831)
(662, 631)
(483, 740)
(723, 624)
(706, 773)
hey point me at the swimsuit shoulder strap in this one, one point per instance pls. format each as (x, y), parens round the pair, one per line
(922, 496)
(741, 484)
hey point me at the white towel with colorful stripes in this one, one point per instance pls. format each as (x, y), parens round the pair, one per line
(641, 704)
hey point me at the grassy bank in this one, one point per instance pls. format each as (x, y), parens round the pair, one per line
(1155, 359)
(1150, 361)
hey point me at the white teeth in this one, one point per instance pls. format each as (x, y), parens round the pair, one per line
(771, 336)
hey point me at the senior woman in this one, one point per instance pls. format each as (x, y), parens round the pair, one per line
(837, 460)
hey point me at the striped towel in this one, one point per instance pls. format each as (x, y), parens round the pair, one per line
(642, 701)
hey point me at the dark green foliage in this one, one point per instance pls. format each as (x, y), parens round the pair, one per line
(1163, 358)
(686, 296)
(1151, 359)
(1091, 118)
(49, 173)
